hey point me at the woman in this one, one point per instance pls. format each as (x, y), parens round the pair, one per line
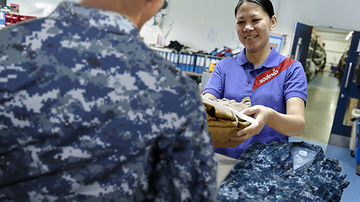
(275, 84)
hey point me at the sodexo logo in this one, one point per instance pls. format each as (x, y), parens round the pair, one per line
(269, 76)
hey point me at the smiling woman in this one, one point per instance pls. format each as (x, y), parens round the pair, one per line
(275, 84)
(253, 26)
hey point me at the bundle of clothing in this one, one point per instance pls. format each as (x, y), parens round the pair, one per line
(295, 171)
(223, 123)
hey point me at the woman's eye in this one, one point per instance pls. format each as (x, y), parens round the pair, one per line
(240, 22)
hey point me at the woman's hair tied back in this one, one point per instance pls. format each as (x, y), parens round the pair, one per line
(266, 5)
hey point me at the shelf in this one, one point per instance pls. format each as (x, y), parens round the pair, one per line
(192, 73)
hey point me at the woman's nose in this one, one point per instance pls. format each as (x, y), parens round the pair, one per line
(248, 27)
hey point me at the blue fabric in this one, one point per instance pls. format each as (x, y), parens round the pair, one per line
(266, 172)
(235, 78)
(89, 113)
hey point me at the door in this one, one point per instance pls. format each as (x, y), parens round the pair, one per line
(301, 41)
(349, 97)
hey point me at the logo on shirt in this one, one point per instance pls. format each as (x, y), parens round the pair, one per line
(269, 76)
(271, 73)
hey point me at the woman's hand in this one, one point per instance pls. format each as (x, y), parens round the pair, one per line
(261, 114)
(290, 124)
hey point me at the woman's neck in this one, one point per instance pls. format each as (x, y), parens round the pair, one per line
(259, 57)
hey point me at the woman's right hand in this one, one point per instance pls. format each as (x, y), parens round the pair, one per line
(261, 114)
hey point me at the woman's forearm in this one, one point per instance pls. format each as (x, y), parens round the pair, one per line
(289, 125)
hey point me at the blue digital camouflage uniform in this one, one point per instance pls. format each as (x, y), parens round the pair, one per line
(295, 171)
(89, 113)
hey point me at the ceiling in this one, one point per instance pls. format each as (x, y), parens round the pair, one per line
(332, 34)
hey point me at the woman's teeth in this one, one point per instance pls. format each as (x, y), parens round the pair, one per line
(250, 37)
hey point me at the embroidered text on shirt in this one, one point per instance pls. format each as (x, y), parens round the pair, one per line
(271, 73)
(275, 72)
(309, 195)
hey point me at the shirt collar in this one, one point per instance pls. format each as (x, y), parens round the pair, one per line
(92, 17)
(283, 159)
(314, 164)
(241, 59)
(271, 60)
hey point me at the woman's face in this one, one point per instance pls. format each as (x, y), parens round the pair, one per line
(253, 26)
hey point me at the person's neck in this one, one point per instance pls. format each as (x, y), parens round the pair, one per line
(104, 4)
(259, 57)
(120, 7)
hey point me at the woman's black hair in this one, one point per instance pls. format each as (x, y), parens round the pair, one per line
(266, 5)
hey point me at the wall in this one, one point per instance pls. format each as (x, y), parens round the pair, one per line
(207, 24)
(335, 45)
(194, 18)
(342, 15)
(334, 51)
(204, 24)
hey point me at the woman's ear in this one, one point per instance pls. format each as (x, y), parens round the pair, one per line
(273, 22)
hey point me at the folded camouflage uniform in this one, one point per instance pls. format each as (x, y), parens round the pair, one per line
(282, 172)
(222, 122)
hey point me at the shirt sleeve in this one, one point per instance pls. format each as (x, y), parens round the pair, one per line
(216, 82)
(187, 163)
(295, 83)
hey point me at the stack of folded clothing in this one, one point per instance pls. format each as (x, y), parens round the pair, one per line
(295, 171)
(222, 121)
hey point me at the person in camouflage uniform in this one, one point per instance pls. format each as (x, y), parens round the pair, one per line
(89, 113)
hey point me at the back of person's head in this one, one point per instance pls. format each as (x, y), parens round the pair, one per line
(266, 5)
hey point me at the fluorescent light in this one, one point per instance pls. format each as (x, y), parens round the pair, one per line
(349, 35)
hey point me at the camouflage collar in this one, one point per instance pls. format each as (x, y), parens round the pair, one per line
(91, 17)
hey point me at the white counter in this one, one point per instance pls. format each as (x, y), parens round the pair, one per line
(225, 164)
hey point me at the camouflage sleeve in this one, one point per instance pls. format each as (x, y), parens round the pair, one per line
(187, 166)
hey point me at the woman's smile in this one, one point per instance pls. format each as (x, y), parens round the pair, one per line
(251, 37)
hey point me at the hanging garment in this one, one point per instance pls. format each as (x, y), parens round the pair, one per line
(223, 122)
(295, 171)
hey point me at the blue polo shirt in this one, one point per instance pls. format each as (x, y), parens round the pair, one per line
(270, 85)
